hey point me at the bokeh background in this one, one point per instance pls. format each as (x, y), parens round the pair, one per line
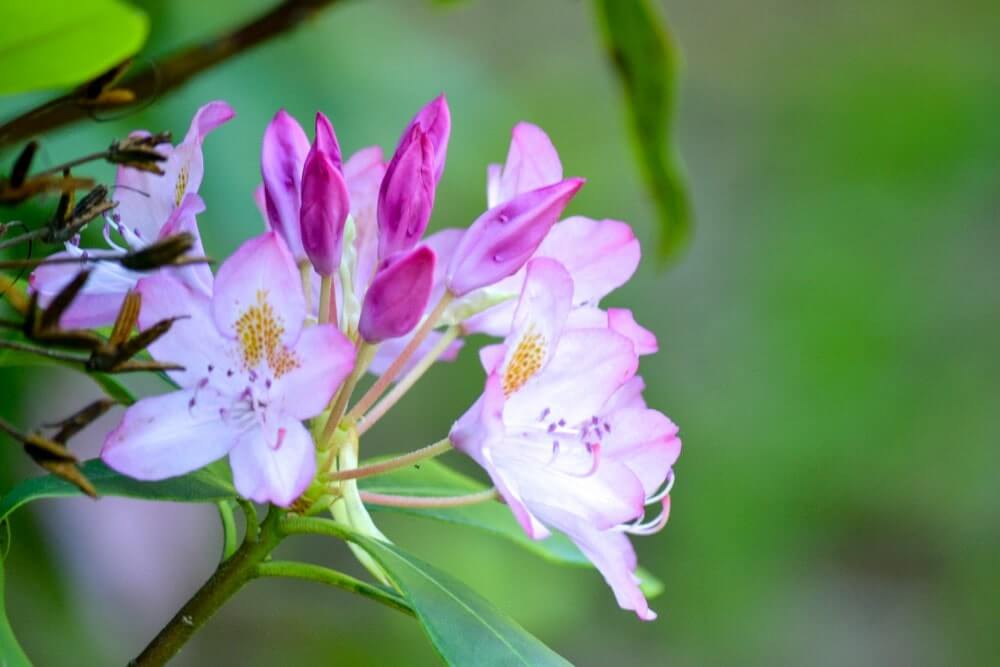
(829, 339)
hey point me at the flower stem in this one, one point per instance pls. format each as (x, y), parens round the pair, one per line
(429, 501)
(323, 575)
(397, 365)
(405, 384)
(325, 290)
(306, 271)
(229, 544)
(227, 580)
(364, 356)
(430, 451)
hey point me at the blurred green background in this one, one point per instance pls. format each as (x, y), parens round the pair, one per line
(829, 340)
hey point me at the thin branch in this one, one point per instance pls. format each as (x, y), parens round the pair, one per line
(430, 451)
(166, 74)
(42, 352)
(389, 500)
(323, 575)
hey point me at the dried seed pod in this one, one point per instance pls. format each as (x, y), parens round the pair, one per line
(165, 252)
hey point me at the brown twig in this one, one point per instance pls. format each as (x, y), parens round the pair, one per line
(164, 75)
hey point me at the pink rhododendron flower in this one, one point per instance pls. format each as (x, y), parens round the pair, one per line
(563, 432)
(601, 255)
(251, 374)
(150, 207)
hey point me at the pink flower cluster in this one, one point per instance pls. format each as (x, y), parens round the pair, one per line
(344, 270)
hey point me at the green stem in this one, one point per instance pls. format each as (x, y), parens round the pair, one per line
(361, 360)
(324, 575)
(229, 539)
(250, 517)
(227, 580)
(384, 380)
(430, 451)
(388, 500)
(407, 382)
(294, 525)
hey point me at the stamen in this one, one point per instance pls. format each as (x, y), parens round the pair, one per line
(649, 527)
(665, 491)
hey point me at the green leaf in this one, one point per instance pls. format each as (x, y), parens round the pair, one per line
(60, 43)
(646, 62)
(201, 486)
(11, 653)
(435, 479)
(108, 383)
(462, 625)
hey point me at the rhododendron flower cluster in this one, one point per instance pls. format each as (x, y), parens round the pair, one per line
(343, 281)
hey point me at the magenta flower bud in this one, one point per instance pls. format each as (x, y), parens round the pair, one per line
(325, 205)
(326, 140)
(398, 295)
(503, 238)
(435, 120)
(282, 154)
(406, 196)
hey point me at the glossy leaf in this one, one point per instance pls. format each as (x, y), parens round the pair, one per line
(61, 43)
(462, 625)
(646, 62)
(435, 479)
(207, 485)
(11, 653)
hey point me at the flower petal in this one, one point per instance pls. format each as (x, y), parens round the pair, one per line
(261, 271)
(588, 366)
(475, 434)
(277, 472)
(169, 435)
(532, 162)
(146, 200)
(538, 321)
(612, 554)
(183, 220)
(325, 358)
(193, 342)
(621, 321)
(644, 440)
(102, 295)
(601, 255)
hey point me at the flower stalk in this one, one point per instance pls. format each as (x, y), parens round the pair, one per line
(408, 380)
(415, 502)
(430, 451)
(380, 385)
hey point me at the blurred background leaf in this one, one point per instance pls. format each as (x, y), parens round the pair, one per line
(11, 653)
(58, 43)
(643, 54)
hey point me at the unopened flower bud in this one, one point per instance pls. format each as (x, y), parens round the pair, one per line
(398, 294)
(325, 205)
(435, 120)
(283, 152)
(504, 238)
(406, 196)
(326, 140)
